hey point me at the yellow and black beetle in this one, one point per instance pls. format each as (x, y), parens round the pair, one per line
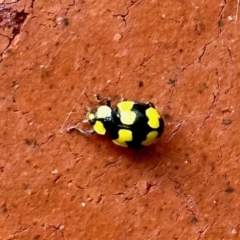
(131, 124)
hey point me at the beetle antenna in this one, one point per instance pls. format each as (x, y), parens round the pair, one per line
(85, 120)
(84, 133)
(88, 98)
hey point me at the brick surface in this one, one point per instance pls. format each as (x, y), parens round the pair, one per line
(182, 56)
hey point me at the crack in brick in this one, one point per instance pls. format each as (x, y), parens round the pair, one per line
(221, 157)
(57, 178)
(171, 19)
(206, 229)
(202, 232)
(21, 230)
(124, 15)
(223, 5)
(32, 3)
(119, 193)
(190, 203)
(99, 175)
(231, 70)
(11, 19)
(110, 163)
(213, 101)
(189, 207)
(149, 186)
(99, 199)
(229, 52)
(237, 8)
(154, 166)
(4, 208)
(126, 194)
(57, 228)
(145, 61)
(46, 141)
(211, 174)
(199, 59)
(220, 22)
(205, 49)
(175, 131)
(126, 198)
(174, 81)
(76, 185)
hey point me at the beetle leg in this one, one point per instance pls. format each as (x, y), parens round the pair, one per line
(105, 100)
(150, 104)
(84, 133)
(85, 120)
(88, 109)
(122, 98)
(108, 102)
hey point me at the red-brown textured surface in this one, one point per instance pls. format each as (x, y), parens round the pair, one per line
(181, 55)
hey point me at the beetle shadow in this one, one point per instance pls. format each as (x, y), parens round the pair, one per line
(147, 155)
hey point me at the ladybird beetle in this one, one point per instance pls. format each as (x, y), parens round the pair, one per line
(130, 124)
